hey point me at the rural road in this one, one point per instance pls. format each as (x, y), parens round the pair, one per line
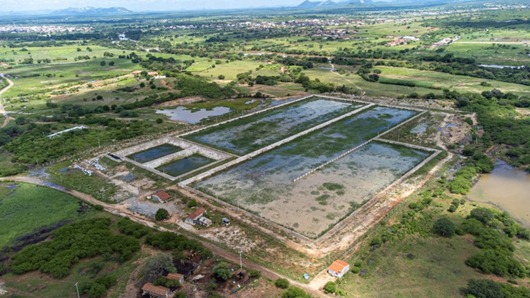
(232, 257)
(2, 110)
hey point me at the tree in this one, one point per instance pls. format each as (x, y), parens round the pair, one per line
(103, 63)
(221, 77)
(281, 283)
(161, 214)
(111, 63)
(222, 271)
(444, 227)
(330, 287)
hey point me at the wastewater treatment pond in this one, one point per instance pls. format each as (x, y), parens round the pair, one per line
(154, 153)
(251, 133)
(185, 165)
(265, 185)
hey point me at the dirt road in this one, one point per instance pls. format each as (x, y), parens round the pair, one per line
(115, 209)
(2, 110)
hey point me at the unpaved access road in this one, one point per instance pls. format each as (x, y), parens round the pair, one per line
(2, 109)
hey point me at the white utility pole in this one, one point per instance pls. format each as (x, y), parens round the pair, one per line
(240, 261)
(77, 289)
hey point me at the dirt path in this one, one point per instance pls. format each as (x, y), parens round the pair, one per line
(2, 110)
(114, 209)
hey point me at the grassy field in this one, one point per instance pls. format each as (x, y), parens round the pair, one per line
(414, 267)
(25, 207)
(441, 80)
(94, 185)
(34, 83)
(371, 88)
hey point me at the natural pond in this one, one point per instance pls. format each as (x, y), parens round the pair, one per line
(506, 187)
(251, 133)
(154, 153)
(184, 114)
(185, 165)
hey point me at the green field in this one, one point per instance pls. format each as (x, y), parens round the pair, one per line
(25, 207)
(439, 80)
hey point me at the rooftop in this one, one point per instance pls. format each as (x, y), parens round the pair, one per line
(338, 266)
(155, 290)
(162, 195)
(197, 213)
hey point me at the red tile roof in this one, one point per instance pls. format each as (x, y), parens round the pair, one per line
(197, 213)
(337, 266)
(155, 290)
(164, 196)
(175, 276)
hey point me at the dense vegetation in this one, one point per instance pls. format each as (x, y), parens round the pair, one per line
(69, 244)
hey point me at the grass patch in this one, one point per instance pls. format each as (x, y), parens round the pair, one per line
(94, 185)
(27, 207)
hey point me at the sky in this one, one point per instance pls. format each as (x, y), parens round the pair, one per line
(141, 5)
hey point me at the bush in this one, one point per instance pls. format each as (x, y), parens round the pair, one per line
(294, 292)
(496, 262)
(281, 283)
(222, 271)
(484, 288)
(330, 287)
(161, 214)
(254, 274)
(483, 215)
(444, 227)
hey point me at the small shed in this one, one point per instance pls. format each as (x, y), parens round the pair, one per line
(155, 291)
(161, 196)
(193, 217)
(176, 276)
(338, 268)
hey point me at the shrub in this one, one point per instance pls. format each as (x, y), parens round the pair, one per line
(281, 283)
(222, 271)
(294, 292)
(483, 215)
(444, 227)
(330, 287)
(500, 263)
(484, 288)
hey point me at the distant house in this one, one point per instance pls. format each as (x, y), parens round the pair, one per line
(155, 291)
(193, 218)
(338, 268)
(176, 276)
(161, 196)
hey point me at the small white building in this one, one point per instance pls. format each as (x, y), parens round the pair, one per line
(338, 268)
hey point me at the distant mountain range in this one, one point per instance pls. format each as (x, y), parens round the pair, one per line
(91, 11)
(309, 4)
(330, 3)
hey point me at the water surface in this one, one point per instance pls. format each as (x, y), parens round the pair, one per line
(185, 165)
(154, 153)
(184, 114)
(506, 187)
